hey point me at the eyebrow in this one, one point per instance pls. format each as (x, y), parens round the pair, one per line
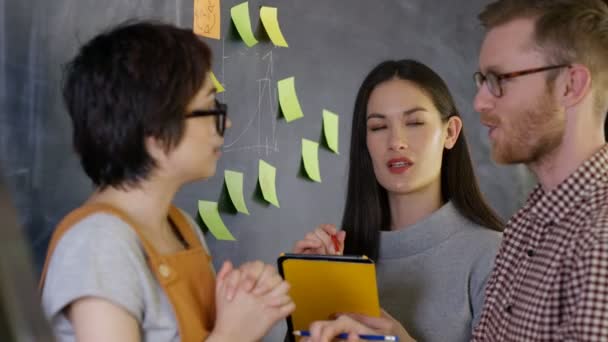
(405, 113)
(493, 69)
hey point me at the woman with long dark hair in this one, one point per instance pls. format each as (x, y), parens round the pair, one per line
(414, 206)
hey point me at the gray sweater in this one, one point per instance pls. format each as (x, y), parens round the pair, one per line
(431, 275)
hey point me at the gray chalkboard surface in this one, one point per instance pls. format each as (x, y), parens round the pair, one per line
(332, 45)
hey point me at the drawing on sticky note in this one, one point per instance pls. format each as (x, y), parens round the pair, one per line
(310, 157)
(211, 217)
(207, 18)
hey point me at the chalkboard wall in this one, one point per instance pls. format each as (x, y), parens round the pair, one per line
(332, 45)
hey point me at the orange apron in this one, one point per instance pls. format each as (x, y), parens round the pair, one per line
(186, 277)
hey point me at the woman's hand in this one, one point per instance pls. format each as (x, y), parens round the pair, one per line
(320, 241)
(383, 325)
(254, 276)
(325, 331)
(245, 315)
(354, 325)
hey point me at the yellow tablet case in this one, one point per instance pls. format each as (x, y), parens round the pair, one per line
(323, 285)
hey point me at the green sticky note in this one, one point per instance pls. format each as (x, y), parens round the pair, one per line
(234, 183)
(289, 100)
(213, 221)
(268, 15)
(240, 18)
(267, 182)
(218, 86)
(330, 127)
(310, 155)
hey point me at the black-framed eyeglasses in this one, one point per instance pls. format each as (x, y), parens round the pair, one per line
(220, 112)
(493, 80)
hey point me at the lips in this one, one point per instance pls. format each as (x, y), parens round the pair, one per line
(491, 130)
(399, 165)
(491, 127)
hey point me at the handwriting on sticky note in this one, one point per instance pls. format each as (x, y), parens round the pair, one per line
(207, 18)
(211, 217)
(242, 22)
(310, 156)
(270, 20)
(288, 99)
(218, 86)
(267, 179)
(330, 128)
(234, 183)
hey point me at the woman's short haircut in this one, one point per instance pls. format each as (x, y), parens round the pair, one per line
(129, 83)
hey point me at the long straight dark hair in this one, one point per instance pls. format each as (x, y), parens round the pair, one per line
(367, 211)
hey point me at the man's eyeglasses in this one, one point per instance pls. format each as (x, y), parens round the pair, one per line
(494, 80)
(220, 113)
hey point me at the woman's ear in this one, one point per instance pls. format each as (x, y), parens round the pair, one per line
(454, 127)
(156, 149)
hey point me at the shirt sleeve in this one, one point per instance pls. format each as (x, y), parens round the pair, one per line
(98, 257)
(590, 288)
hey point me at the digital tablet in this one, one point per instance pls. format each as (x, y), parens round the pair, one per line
(323, 285)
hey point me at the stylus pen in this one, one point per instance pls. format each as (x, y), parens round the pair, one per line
(345, 336)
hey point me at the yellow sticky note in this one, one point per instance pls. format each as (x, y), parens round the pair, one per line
(240, 18)
(330, 128)
(268, 15)
(267, 178)
(211, 216)
(207, 18)
(288, 99)
(310, 155)
(234, 183)
(218, 86)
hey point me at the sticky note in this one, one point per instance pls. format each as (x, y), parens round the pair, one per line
(268, 15)
(234, 183)
(330, 128)
(218, 86)
(288, 99)
(267, 176)
(207, 18)
(240, 18)
(310, 155)
(211, 217)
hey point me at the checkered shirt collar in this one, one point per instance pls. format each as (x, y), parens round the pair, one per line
(556, 204)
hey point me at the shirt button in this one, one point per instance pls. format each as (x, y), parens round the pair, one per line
(509, 309)
(530, 252)
(164, 270)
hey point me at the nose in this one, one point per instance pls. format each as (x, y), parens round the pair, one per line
(484, 100)
(397, 139)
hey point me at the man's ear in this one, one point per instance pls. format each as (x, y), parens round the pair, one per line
(576, 86)
(454, 127)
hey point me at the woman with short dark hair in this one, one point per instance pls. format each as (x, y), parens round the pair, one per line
(128, 265)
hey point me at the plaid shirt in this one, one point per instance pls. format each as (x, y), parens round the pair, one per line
(550, 280)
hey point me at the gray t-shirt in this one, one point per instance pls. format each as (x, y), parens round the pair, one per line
(432, 275)
(102, 256)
